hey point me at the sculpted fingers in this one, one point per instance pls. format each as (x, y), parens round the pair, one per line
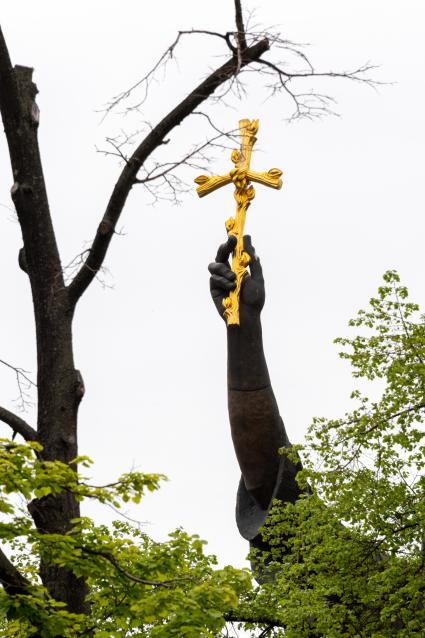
(221, 269)
(218, 285)
(226, 249)
(222, 279)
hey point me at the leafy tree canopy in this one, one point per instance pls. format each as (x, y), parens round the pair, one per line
(347, 559)
(353, 551)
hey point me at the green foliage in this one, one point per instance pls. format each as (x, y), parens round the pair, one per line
(137, 586)
(349, 558)
(346, 560)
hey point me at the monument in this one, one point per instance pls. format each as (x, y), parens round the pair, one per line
(257, 429)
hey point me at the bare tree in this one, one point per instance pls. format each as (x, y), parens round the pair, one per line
(60, 386)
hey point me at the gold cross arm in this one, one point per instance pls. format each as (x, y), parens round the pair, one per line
(208, 184)
(241, 176)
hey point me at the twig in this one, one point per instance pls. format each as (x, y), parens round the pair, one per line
(24, 383)
(168, 584)
(164, 58)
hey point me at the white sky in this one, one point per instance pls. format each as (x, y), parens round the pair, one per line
(152, 350)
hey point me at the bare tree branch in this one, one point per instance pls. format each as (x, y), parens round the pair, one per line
(165, 57)
(24, 383)
(128, 175)
(356, 74)
(12, 581)
(190, 160)
(308, 104)
(20, 372)
(18, 425)
(240, 29)
(14, 584)
(163, 180)
(311, 104)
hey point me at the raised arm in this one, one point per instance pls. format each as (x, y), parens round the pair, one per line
(256, 427)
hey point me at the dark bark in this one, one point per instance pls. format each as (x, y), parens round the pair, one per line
(18, 425)
(12, 581)
(59, 392)
(59, 384)
(240, 26)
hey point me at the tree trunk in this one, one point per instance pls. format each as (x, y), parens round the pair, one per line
(60, 390)
(59, 385)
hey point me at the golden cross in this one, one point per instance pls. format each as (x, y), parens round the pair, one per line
(241, 176)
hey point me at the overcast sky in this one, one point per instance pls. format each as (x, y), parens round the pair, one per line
(149, 345)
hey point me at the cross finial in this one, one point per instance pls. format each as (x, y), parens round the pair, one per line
(241, 176)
